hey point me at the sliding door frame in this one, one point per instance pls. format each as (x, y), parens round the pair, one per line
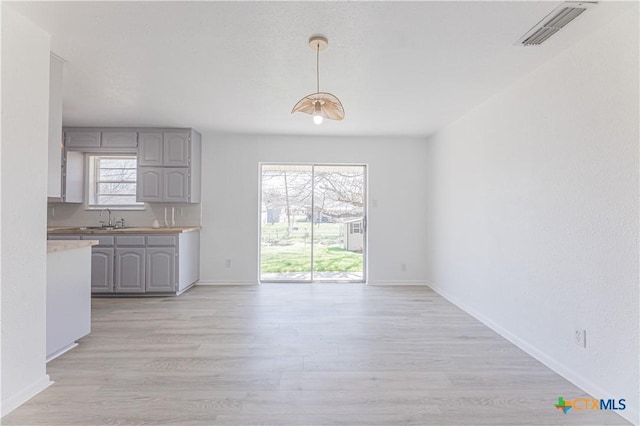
(365, 225)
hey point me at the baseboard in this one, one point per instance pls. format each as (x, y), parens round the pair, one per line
(379, 283)
(632, 415)
(13, 402)
(218, 282)
(397, 283)
(61, 351)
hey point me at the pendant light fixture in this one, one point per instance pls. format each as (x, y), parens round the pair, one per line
(320, 104)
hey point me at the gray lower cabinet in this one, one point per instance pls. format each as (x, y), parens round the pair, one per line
(130, 270)
(142, 263)
(102, 270)
(161, 269)
(63, 237)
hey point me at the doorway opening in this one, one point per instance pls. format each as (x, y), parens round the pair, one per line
(313, 223)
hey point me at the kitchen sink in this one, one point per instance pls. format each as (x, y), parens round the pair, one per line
(98, 228)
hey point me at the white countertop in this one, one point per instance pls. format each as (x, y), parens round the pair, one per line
(61, 245)
(130, 230)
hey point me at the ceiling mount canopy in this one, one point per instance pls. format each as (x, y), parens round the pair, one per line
(320, 104)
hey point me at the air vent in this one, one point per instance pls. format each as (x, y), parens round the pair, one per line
(554, 22)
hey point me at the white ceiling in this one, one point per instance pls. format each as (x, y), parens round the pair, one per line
(400, 68)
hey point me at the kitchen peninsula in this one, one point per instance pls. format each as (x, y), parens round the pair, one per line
(68, 294)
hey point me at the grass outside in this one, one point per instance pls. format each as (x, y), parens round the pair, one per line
(282, 253)
(297, 258)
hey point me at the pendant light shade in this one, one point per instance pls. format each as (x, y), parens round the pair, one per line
(325, 103)
(320, 104)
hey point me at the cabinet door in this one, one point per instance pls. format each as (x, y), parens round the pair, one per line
(80, 139)
(73, 177)
(161, 269)
(176, 149)
(129, 270)
(119, 139)
(150, 149)
(54, 237)
(149, 184)
(54, 183)
(175, 185)
(101, 270)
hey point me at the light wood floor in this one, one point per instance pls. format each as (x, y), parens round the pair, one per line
(297, 354)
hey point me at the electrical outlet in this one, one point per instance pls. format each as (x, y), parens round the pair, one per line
(403, 267)
(227, 263)
(580, 338)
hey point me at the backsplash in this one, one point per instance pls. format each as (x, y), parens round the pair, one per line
(65, 214)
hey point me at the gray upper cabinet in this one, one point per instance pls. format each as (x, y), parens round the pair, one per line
(177, 152)
(130, 277)
(175, 185)
(161, 269)
(174, 155)
(119, 140)
(167, 149)
(82, 139)
(150, 184)
(95, 139)
(150, 149)
(169, 161)
(163, 184)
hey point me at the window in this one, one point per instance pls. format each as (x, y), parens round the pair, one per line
(112, 181)
(355, 228)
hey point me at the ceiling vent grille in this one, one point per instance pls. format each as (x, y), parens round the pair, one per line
(554, 22)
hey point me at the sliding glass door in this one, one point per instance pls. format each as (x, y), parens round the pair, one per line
(313, 223)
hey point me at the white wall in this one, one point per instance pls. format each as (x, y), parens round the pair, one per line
(533, 212)
(25, 116)
(230, 200)
(60, 214)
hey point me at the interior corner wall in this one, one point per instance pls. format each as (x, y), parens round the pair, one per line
(533, 212)
(25, 117)
(230, 201)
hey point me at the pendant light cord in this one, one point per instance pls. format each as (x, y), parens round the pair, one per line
(318, 67)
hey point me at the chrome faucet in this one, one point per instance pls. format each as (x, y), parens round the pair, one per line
(109, 224)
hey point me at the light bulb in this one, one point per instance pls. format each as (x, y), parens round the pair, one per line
(317, 116)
